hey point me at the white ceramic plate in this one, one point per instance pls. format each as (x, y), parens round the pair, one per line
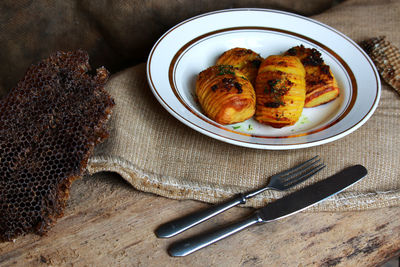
(195, 44)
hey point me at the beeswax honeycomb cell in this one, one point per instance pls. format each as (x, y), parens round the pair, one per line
(49, 125)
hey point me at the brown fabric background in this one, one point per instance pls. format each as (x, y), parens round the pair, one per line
(156, 153)
(117, 34)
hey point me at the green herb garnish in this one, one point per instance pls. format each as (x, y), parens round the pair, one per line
(277, 88)
(225, 69)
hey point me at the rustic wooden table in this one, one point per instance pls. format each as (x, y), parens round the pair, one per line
(108, 223)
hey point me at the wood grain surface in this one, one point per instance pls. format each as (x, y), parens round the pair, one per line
(108, 223)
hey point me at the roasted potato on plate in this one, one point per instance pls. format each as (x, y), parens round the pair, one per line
(225, 94)
(321, 85)
(245, 60)
(280, 91)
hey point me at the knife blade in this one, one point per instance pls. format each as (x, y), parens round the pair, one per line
(288, 205)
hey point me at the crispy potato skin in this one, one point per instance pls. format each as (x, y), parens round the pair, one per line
(225, 94)
(321, 84)
(245, 60)
(280, 91)
(326, 91)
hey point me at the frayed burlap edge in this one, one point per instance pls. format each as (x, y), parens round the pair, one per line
(169, 187)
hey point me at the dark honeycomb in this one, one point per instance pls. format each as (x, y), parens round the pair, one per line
(49, 125)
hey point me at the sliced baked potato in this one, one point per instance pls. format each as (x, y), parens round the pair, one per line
(225, 94)
(321, 84)
(280, 91)
(245, 60)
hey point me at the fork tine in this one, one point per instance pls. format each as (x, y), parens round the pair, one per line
(304, 170)
(301, 165)
(303, 176)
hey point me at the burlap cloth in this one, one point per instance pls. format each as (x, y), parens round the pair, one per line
(156, 153)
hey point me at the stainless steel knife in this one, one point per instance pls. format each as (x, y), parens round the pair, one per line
(278, 209)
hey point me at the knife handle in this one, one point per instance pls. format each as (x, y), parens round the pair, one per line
(182, 224)
(190, 245)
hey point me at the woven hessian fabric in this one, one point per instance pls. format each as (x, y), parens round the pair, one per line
(156, 153)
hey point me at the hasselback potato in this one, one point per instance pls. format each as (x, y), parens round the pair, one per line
(245, 60)
(280, 91)
(225, 94)
(321, 85)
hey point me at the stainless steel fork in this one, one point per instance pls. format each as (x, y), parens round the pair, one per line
(281, 181)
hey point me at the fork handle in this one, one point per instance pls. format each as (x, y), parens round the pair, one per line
(193, 244)
(182, 224)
